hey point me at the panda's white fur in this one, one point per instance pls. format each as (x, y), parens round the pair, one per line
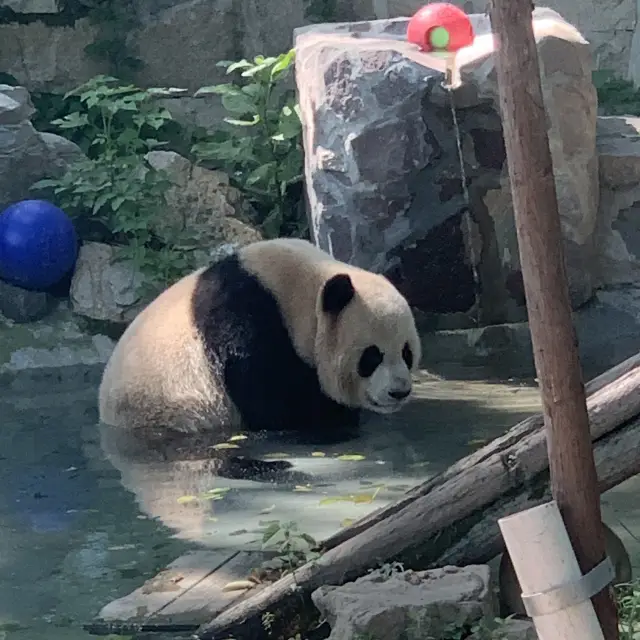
(209, 353)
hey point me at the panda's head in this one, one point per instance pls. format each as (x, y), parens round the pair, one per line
(366, 346)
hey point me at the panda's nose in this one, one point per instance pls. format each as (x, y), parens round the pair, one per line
(400, 394)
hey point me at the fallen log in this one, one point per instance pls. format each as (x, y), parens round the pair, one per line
(452, 518)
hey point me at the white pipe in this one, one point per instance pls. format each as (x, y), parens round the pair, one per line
(543, 558)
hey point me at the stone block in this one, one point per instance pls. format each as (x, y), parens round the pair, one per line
(21, 305)
(383, 165)
(406, 605)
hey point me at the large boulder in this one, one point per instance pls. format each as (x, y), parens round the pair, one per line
(27, 155)
(618, 236)
(31, 6)
(203, 206)
(407, 605)
(382, 162)
(47, 58)
(105, 287)
(178, 42)
(20, 305)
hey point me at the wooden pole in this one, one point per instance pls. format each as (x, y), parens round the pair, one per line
(572, 469)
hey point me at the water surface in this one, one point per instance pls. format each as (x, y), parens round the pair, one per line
(77, 533)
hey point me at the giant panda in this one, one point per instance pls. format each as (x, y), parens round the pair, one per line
(278, 336)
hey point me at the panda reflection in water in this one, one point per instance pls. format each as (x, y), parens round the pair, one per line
(276, 337)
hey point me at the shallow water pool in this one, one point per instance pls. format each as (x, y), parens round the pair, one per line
(77, 533)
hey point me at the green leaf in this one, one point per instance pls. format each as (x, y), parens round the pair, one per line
(100, 201)
(47, 183)
(221, 151)
(264, 173)
(72, 121)
(239, 103)
(218, 89)
(272, 225)
(334, 499)
(243, 123)
(224, 63)
(116, 203)
(283, 64)
(241, 64)
(289, 125)
(291, 167)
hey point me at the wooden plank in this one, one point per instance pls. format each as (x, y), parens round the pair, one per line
(206, 599)
(167, 586)
(181, 597)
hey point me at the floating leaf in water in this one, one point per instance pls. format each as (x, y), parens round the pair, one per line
(121, 547)
(274, 456)
(351, 457)
(334, 499)
(187, 499)
(363, 498)
(268, 510)
(239, 585)
(303, 488)
(240, 436)
(347, 522)
(214, 494)
(318, 454)
(366, 498)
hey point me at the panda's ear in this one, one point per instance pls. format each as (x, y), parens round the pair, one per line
(337, 293)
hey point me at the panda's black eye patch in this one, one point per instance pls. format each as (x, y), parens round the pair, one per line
(407, 355)
(370, 360)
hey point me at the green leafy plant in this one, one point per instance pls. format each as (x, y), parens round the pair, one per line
(490, 629)
(293, 548)
(628, 598)
(115, 187)
(261, 148)
(616, 96)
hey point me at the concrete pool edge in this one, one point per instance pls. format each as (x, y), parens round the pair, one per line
(54, 352)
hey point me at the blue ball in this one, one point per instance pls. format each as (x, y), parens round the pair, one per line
(38, 244)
